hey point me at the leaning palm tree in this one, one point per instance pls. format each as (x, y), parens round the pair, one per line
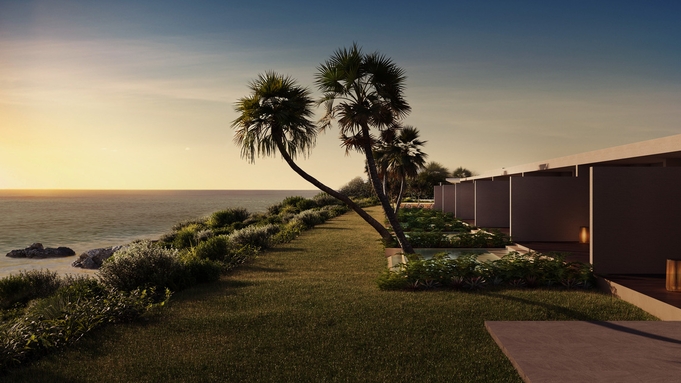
(275, 117)
(364, 92)
(402, 158)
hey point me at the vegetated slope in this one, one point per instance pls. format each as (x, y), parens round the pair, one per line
(311, 311)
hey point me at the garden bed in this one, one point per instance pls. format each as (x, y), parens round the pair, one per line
(396, 257)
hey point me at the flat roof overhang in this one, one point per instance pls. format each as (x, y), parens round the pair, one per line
(665, 151)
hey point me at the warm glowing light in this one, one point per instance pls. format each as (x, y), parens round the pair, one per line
(674, 274)
(584, 234)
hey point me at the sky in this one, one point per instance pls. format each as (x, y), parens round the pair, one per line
(140, 94)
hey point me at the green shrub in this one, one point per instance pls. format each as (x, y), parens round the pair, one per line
(59, 320)
(227, 217)
(514, 270)
(358, 188)
(366, 202)
(81, 286)
(428, 239)
(214, 248)
(257, 236)
(186, 237)
(335, 210)
(429, 220)
(203, 235)
(21, 288)
(306, 204)
(292, 201)
(144, 265)
(324, 199)
(201, 270)
(198, 222)
(288, 232)
(274, 209)
(238, 255)
(311, 218)
(481, 239)
(263, 219)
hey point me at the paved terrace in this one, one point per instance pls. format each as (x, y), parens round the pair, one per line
(565, 352)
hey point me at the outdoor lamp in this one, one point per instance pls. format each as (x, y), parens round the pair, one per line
(584, 234)
(674, 274)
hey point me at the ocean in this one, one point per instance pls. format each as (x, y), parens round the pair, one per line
(88, 219)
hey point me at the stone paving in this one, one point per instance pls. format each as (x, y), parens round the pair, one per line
(576, 351)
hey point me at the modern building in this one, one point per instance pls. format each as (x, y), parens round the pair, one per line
(626, 198)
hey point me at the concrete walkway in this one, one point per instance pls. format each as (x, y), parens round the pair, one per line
(574, 351)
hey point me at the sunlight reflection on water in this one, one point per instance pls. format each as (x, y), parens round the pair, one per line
(84, 220)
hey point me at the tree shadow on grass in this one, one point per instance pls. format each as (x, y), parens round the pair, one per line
(331, 228)
(263, 269)
(38, 375)
(283, 250)
(576, 315)
(573, 314)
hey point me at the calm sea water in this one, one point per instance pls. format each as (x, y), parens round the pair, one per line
(85, 219)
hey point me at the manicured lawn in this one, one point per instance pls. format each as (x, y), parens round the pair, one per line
(311, 311)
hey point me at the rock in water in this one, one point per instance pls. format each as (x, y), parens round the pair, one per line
(93, 259)
(37, 250)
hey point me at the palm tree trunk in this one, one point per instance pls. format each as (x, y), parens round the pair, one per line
(389, 212)
(399, 196)
(382, 231)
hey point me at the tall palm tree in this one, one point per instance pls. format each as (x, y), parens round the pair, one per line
(402, 158)
(275, 117)
(364, 92)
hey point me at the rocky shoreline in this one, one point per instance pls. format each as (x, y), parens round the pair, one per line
(37, 250)
(91, 259)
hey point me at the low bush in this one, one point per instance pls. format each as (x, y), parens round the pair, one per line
(198, 222)
(18, 289)
(60, 320)
(201, 270)
(335, 210)
(429, 220)
(324, 199)
(238, 255)
(257, 236)
(144, 265)
(292, 201)
(515, 270)
(366, 202)
(214, 248)
(479, 239)
(186, 237)
(311, 218)
(288, 232)
(227, 217)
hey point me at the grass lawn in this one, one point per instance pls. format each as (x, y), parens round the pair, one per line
(311, 311)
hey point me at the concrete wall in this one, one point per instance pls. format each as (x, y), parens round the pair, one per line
(444, 196)
(548, 208)
(449, 198)
(437, 197)
(635, 219)
(492, 203)
(465, 200)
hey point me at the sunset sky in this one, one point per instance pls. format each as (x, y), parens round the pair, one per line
(140, 94)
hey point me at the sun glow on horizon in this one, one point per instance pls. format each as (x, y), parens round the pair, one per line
(109, 97)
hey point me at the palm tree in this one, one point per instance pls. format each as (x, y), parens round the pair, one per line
(402, 158)
(461, 172)
(364, 92)
(275, 117)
